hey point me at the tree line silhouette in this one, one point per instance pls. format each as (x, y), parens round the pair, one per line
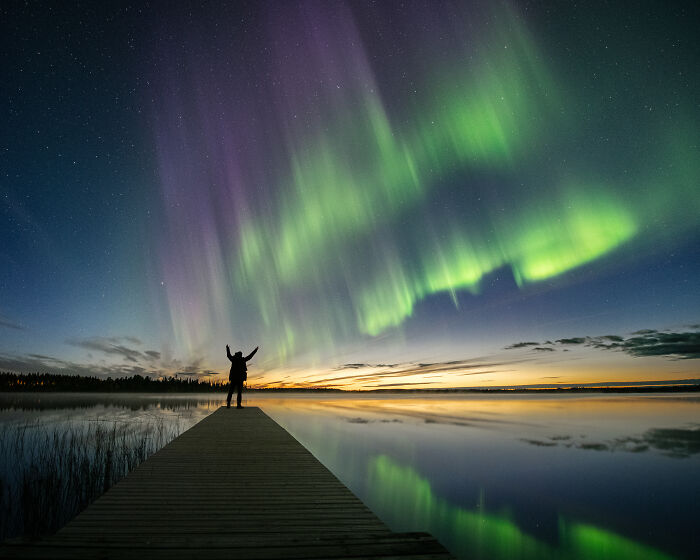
(54, 382)
(50, 382)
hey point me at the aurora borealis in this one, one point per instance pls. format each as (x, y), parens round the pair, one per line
(486, 535)
(352, 183)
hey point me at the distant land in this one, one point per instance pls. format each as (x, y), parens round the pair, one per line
(54, 383)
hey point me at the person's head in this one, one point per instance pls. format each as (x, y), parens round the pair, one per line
(238, 354)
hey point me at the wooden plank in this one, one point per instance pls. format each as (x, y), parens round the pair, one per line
(260, 540)
(234, 485)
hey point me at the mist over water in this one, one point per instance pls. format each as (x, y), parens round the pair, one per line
(491, 476)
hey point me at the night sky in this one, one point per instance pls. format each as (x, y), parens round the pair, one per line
(397, 194)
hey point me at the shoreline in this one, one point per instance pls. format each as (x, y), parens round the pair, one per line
(689, 388)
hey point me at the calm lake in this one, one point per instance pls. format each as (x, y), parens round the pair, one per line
(491, 476)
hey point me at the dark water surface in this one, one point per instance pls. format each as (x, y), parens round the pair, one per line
(491, 476)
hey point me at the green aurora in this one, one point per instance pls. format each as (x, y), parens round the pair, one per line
(351, 211)
(481, 534)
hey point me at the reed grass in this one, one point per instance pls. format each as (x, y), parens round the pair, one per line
(49, 473)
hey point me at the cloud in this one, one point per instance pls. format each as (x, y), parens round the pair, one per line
(130, 361)
(521, 345)
(362, 366)
(385, 372)
(40, 356)
(612, 338)
(8, 324)
(384, 385)
(109, 345)
(198, 372)
(42, 363)
(680, 346)
(642, 343)
(652, 383)
(458, 366)
(114, 356)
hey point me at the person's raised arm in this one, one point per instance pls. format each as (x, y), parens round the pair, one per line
(228, 353)
(249, 356)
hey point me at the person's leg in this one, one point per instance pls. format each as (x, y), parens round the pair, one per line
(230, 393)
(240, 393)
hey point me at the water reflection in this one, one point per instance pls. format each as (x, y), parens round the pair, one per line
(673, 442)
(134, 402)
(58, 452)
(516, 476)
(478, 533)
(492, 476)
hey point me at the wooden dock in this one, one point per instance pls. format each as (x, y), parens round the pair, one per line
(235, 485)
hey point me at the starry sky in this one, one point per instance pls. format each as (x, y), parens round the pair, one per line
(379, 194)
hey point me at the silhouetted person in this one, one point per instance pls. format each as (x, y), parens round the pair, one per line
(238, 374)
